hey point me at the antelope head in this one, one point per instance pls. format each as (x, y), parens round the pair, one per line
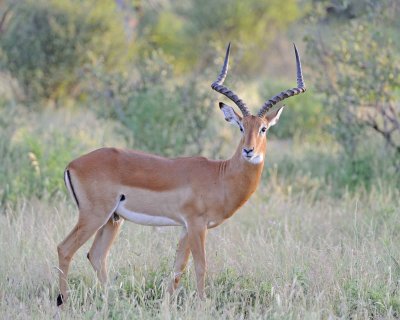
(254, 127)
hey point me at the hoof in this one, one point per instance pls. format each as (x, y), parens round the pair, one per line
(60, 300)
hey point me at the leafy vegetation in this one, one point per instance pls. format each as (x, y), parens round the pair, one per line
(46, 42)
(359, 74)
(320, 237)
(159, 115)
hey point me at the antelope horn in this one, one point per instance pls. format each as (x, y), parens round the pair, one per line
(288, 93)
(218, 86)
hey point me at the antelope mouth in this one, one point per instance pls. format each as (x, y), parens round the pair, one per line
(253, 159)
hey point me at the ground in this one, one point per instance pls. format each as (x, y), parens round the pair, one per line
(283, 255)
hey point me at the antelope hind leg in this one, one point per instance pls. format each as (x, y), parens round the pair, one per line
(101, 246)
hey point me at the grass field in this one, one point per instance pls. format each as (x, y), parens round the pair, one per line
(320, 238)
(286, 254)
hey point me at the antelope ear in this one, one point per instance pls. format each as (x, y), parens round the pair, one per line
(230, 115)
(274, 117)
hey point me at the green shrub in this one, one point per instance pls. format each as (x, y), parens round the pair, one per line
(35, 149)
(160, 114)
(303, 115)
(46, 42)
(251, 25)
(324, 167)
(356, 67)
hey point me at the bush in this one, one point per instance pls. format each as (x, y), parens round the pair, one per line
(323, 168)
(159, 114)
(35, 149)
(46, 42)
(189, 32)
(358, 71)
(303, 115)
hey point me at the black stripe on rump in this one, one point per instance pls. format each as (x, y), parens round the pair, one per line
(72, 188)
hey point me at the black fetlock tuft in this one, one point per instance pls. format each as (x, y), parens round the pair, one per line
(60, 300)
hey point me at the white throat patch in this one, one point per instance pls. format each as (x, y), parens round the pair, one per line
(256, 159)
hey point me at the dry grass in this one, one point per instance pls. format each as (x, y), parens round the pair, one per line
(302, 247)
(281, 256)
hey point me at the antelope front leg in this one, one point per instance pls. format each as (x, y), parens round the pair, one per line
(197, 239)
(181, 260)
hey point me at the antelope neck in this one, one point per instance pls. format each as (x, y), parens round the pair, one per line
(246, 177)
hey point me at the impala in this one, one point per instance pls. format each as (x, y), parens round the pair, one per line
(111, 185)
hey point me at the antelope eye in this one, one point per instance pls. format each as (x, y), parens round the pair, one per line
(263, 129)
(241, 129)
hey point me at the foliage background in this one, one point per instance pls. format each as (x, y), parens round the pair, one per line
(78, 75)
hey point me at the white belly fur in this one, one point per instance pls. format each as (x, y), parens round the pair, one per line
(143, 218)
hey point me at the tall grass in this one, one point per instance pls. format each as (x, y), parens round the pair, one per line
(36, 147)
(319, 239)
(284, 255)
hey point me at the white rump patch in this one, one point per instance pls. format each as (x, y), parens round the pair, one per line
(143, 218)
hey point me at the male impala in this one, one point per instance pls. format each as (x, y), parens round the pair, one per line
(195, 193)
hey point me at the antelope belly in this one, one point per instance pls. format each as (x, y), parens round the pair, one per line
(143, 218)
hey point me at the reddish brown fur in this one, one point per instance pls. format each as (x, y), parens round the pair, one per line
(196, 192)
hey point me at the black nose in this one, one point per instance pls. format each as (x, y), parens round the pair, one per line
(248, 150)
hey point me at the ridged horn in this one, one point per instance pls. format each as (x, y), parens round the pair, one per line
(218, 86)
(301, 87)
